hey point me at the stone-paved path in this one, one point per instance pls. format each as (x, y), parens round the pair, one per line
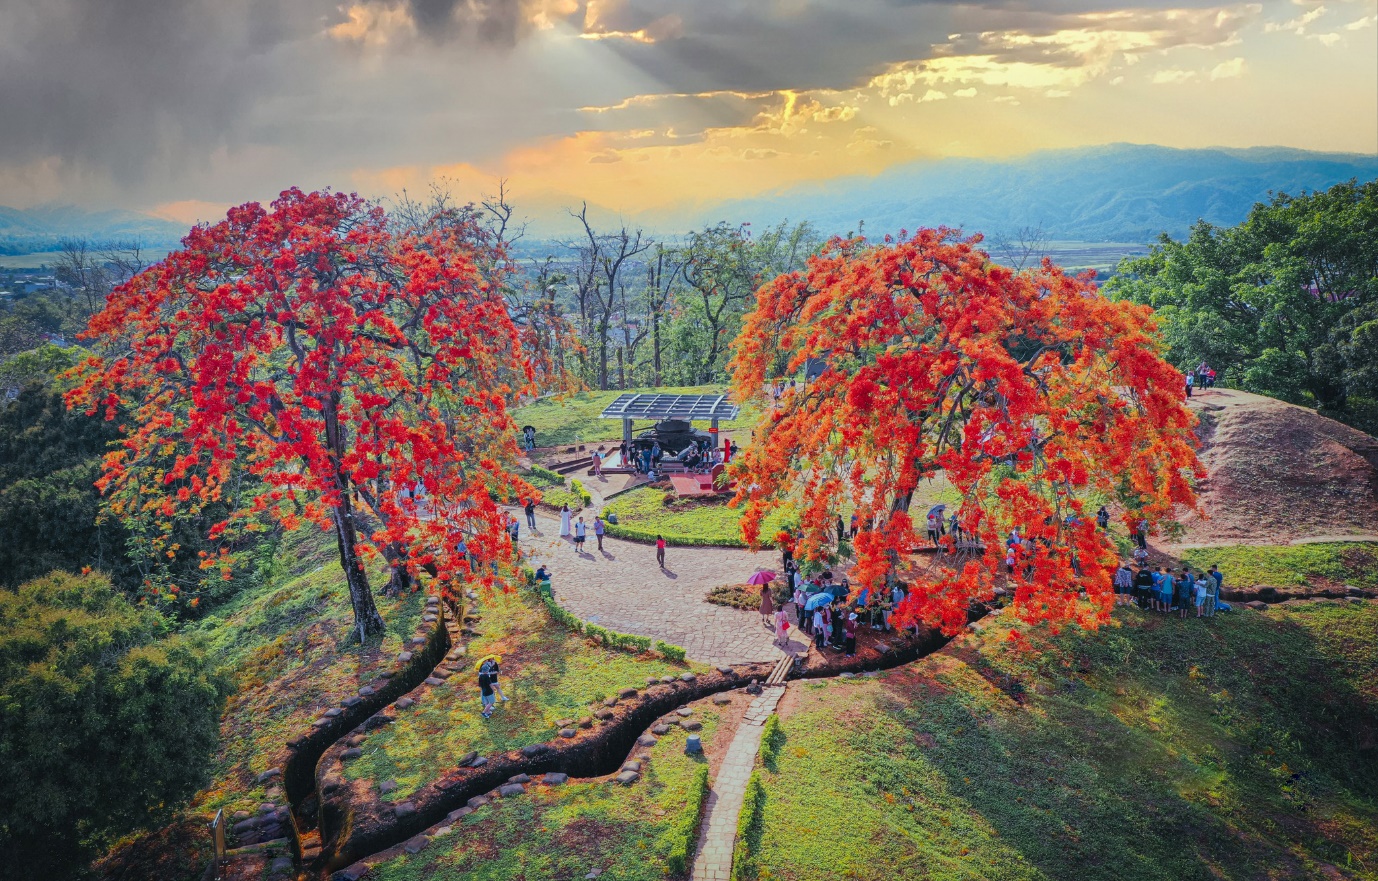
(718, 835)
(622, 588)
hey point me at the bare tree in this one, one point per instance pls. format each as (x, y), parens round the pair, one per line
(600, 284)
(1022, 249)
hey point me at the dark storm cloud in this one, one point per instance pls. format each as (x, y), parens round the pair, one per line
(116, 84)
(163, 97)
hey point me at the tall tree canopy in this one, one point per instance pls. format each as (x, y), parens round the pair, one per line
(105, 721)
(1028, 390)
(1285, 304)
(359, 375)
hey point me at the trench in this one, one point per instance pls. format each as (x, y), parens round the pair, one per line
(351, 832)
(305, 751)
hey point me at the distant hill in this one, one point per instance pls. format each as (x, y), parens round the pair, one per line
(1117, 193)
(32, 230)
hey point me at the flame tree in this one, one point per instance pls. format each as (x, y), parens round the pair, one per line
(1029, 391)
(358, 375)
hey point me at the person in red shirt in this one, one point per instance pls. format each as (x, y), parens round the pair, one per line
(660, 551)
(849, 631)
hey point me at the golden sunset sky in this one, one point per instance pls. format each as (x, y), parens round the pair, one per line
(186, 106)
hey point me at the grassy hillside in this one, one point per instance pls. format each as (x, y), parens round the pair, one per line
(285, 644)
(1238, 748)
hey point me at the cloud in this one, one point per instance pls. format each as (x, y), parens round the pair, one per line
(500, 22)
(1365, 22)
(1173, 76)
(1228, 69)
(1297, 25)
(964, 93)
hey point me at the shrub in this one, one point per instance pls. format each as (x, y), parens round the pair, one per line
(670, 652)
(583, 495)
(545, 475)
(772, 739)
(749, 829)
(105, 722)
(685, 833)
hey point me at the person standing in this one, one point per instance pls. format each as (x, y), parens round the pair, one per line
(1141, 533)
(564, 521)
(849, 636)
(529, 436)
(1124, 582)
(485, 691)
(1143, 587)
(1191, 381)
(1217, 582)
(514, 527)
(597, 464)
(781, 627)
(580, 533)
(767, 604)
(530, 510)
(820, 626)
(1202, 591)
(1103, 518)
(598, 530)
(660, 551)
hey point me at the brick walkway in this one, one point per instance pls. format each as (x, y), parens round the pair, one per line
(718, 835)
(623, 589)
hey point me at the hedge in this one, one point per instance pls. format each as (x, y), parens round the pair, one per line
(545, 474)
(685, 833)
(772, 739)
(631, 533)
(749, 829)
(627, 642)
(577, 487)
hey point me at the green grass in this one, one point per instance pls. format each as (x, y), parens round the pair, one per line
(631, 833)
(1339, 563)
(549, 673)
(574, 419)
(643, 513)
(1238, 748)
(287, 645)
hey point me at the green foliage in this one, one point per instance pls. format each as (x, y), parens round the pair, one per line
(744, 863)
(671, 653)
(543, 477)
(685, 832)
(1285, 304)
(772, 740)
(1232, 747)
(577, 487)
(104, 721)
(1247, 566)
(49, 505)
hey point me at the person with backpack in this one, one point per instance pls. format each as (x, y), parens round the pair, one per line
(1143, 587)
(485, 691)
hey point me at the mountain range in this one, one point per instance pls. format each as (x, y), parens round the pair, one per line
(1118, 193)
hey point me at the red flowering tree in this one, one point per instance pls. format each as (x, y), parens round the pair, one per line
(344, 372)
(1029, 391)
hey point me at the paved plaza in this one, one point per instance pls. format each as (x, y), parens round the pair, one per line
(623, 589)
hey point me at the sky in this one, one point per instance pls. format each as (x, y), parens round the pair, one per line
(183, 107)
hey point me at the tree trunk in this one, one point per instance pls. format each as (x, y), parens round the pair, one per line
(366, 618)
(402, 578)
(655, 350)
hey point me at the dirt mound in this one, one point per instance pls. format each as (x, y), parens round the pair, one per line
(1279, 473)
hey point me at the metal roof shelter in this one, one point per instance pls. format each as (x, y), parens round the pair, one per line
(658, 407)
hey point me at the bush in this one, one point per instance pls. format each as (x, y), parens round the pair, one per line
(105, 723)
(685, 833)
(545, 475)
(749, 829)
(583, 495)
(772, 739)
(670, 652)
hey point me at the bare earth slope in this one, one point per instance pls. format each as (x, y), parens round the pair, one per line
(1278, 473)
